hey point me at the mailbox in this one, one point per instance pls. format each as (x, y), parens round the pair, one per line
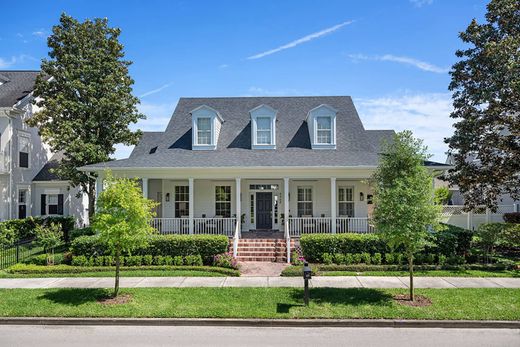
(307, 272)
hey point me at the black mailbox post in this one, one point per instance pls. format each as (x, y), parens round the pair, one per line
(307, 275)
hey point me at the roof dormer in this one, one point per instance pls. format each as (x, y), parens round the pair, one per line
(321, 122)
(263, 127)
(205, 124)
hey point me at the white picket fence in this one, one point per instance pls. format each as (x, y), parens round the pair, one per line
(455, 215)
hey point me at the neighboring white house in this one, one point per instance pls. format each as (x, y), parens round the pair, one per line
(27, 185)
(266, 164)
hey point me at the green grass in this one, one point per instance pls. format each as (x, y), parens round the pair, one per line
(432, 273)
(480, 304)
(137, 273)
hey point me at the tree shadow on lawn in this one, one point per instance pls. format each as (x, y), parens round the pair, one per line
(76, 296)
(346, 296)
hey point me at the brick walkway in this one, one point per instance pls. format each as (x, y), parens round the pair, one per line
(261, 268)
(262, 281)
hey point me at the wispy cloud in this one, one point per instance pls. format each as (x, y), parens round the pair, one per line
(6, 63)
(299, 41)
(422, 65)
(223, 66)
(39, 33)
(155, 91)
(15, 60)
(421, 3)
(426, 114)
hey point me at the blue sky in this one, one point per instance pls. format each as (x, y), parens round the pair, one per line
(392, 57)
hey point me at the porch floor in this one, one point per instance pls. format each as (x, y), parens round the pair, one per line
(263, 234)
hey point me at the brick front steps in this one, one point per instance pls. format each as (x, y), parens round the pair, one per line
(266, 250)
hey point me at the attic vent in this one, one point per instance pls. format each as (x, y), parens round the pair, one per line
(152, 151)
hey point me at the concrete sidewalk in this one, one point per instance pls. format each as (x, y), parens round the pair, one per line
(264, 281)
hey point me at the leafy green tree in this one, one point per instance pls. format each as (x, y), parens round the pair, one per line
(7, 235)
(122, 218)
(486, 100)
(403, 197)
(442, 195)
(49, 237)
(85, 97)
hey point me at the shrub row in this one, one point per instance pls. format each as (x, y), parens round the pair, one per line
(138, 260)
(389, 259)
(28, 269)
(512, 217)
(207, 246)
(24, 229)
(75, 233)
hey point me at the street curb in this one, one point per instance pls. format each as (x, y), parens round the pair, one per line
(303, 323)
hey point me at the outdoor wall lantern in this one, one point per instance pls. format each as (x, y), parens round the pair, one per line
(167, 197)
(307, 274)
(361, 196)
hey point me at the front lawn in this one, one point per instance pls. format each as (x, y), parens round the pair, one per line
(479, 304)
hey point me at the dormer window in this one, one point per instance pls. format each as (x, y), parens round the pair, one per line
(322, 127)
(263, 127)
(206, 124)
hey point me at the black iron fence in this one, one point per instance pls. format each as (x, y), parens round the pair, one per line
(17, 252)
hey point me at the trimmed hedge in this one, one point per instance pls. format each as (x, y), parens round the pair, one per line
(135, 260)
(75, 233)
(207, 246)
(67, 269)
(451, 241)
(24, 229)
(512, 217)
(315, 245)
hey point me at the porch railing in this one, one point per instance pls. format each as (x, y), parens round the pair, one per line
(217, 226)
(323, 225)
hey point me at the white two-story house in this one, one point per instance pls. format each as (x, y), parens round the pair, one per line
(28, 187)
(243, 166)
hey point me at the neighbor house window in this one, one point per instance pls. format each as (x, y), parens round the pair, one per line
(24, 144)
(323, 130)
(204, 131)
(22, 203)
(223, 201)
(51, 204)
(263, 131)
(182, 201)
(304, 201)
(346, 201)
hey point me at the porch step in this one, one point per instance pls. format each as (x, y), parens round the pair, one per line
(268, 250)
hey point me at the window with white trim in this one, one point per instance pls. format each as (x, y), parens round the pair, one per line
(52, 204)
(346, 201)
(204, 131)
(223, 201)
(263, 131)
(304, 201)
(24, 147)
(182, 201)
(324, 130)
(22, 202)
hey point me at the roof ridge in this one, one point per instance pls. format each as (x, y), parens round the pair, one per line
(265, 96)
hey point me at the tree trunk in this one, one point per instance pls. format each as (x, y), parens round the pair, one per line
(410, 268)
(118, 256)
(91, 202)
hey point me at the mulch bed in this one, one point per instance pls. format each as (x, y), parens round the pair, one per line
(419, 300)
(118, 300)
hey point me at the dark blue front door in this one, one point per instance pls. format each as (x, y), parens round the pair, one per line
(264, 206)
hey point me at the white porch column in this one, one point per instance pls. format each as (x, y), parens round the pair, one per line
(286, 203)
(333, 205)
(191, 203)
(99, 186)
(238, 202)
(144, 181)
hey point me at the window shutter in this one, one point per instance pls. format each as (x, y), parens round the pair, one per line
(43, 205)
(60, 204)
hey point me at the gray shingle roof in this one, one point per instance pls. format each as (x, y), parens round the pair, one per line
(15, 86)
(46, 173)
(354, 145)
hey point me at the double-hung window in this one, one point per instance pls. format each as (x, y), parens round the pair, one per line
(24, 146)
(223, 201)
(346, 201)
(182, 201)
(263, 131)
(204, 131)
(324, 130)
(304, 201)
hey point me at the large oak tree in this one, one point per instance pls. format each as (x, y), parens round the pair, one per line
(485, 82)
(85, 97)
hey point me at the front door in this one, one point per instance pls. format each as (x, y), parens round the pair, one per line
(264, 206)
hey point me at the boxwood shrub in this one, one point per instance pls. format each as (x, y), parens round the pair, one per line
(207, 246)
(315, 245)
(24, 229)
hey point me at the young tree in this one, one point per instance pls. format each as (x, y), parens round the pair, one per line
(49, 237)
(442, 195)
(85, 97)
(486, 100)
(403, 197)
(122, 218)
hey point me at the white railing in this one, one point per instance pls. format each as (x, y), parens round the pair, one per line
(171, 225)
(309, 225)
(455, 215)
(358, 225)
(217, 226)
